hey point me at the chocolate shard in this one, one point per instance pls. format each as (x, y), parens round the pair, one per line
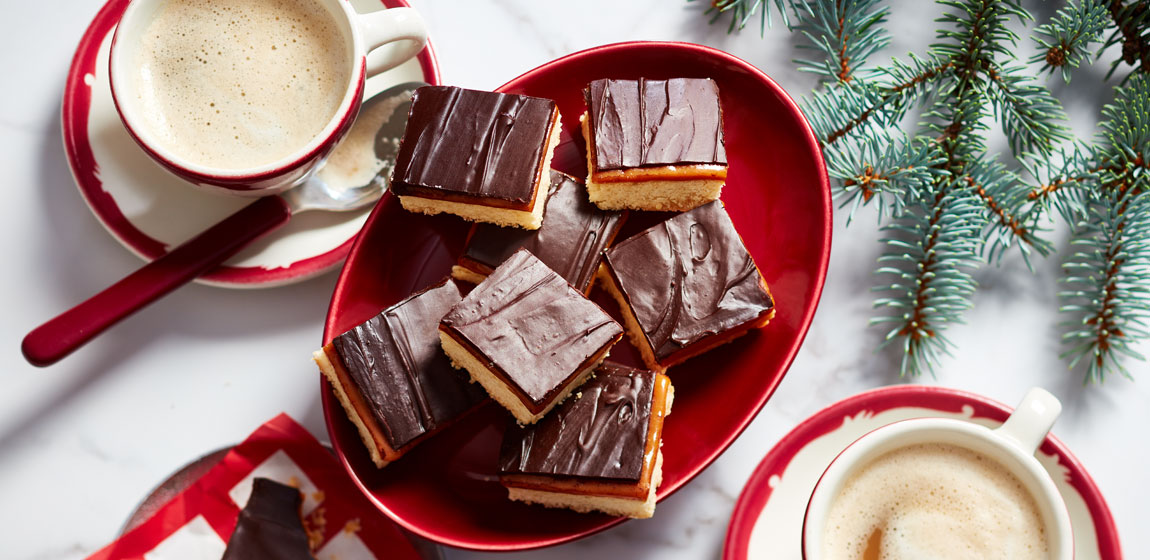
(646, 123)
(570, 242)
(600, 434)
(531, 327)
(269, 526)
(396, 362)
(473, 144)
(688, 278)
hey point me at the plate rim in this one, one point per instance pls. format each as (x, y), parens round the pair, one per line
(330, 411)
(756, 492)
(75, 111)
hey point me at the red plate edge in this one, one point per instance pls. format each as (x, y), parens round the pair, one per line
(804, 324)
(756, 491)
(74, 110)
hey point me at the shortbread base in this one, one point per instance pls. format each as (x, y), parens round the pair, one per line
(662, 196)
(630, 323)
(328, 370)
(462, 358)
(464, 274)
(506, 217)
(611, 505)
(662, 192)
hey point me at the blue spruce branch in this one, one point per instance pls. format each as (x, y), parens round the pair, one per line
(929, 257)
(1108, 282)
(1132, 31)
(881, 103)
(950, 207)
(1108, 274)
(1029, 113)
(1005, 199)
(1067, 180)
(884, 172)
(1064, 42)
(845, 33)
(741, 12)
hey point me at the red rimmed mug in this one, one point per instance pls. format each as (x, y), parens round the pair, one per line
(393, 36)
(1011, 446)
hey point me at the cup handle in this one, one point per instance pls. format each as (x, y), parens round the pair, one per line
(403, 26)
(1031, 421)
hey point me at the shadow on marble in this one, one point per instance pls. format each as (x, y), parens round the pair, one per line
(79, 258)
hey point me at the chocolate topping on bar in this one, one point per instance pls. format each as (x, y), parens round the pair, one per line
(531, 327)
(473, 143)
(571, 241)
(600, 434)
(644, 123)
(269, 527)
(688, 278)
(396, 361)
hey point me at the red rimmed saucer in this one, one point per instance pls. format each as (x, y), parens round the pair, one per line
(149, 210)
(446, 489)
(768, 517)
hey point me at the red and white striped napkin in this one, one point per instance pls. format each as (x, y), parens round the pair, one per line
(197, 523)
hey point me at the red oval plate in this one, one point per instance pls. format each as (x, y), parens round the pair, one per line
(778, 197)
(769, 514)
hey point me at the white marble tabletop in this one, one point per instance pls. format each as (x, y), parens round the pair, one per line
(82, 442)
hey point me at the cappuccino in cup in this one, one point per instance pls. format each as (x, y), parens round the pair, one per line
(934, 500)
(238, 84)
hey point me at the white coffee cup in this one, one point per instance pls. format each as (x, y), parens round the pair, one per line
(1012, 446)
(401, 29)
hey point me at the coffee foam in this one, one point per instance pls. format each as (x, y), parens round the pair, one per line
(934, 501)
(234, 85)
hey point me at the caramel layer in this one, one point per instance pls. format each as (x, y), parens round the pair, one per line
(660, 408)
(360, 405)
(662, 173)
(475, 266)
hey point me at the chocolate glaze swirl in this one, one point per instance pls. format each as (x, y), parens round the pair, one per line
(396, 361)
(531, 326)
(473, 143)
(570, 242)
(600, 434)
(643, 123)
(688, 278)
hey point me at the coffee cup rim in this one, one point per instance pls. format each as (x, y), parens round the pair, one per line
(224, 178)
(900, 434)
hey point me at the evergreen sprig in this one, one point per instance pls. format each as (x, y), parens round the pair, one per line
(741, 12)
(932, 248)
(1107, 277)
(1065, 41)
(1132, 31)
(843, 33)
(947, 206)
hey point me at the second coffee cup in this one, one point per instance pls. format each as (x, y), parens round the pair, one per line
(247, 97)
(942, 488)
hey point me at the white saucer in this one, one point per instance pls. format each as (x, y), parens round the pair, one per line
(768, 518)
(150, 210)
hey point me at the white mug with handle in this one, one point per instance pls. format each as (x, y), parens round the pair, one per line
(1011, 445)
(393, 35)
